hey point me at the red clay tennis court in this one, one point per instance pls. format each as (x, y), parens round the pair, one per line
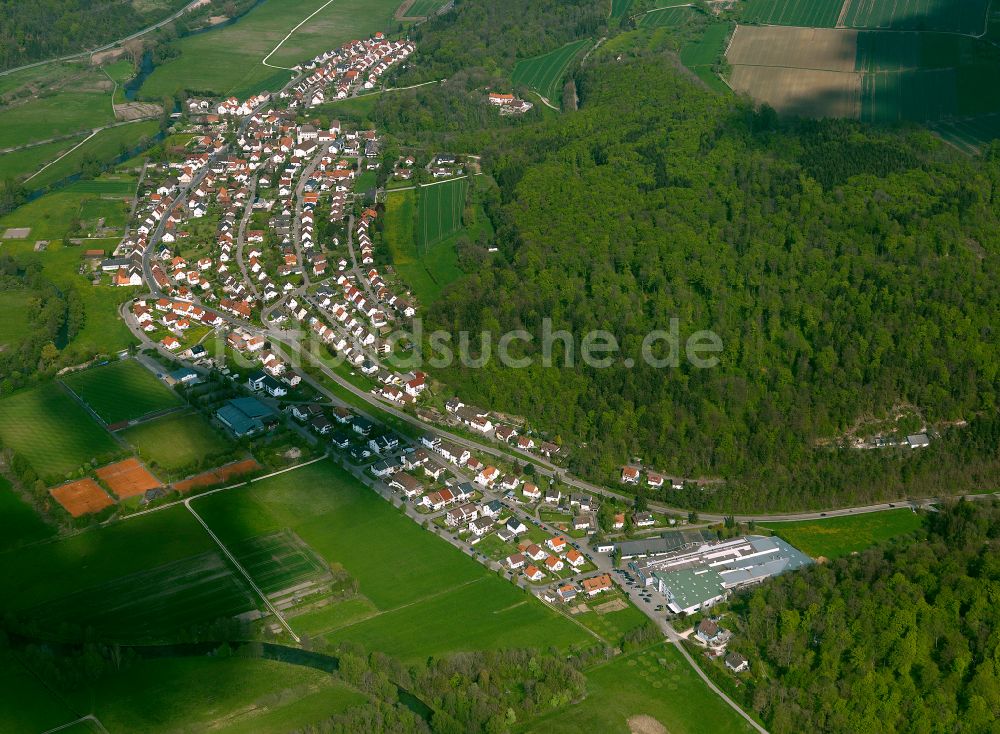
(218, 475)
(82, 497)
(128, 478)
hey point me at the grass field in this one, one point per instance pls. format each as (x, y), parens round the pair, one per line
(545, 73)
(52, 431)
(425, 270)
(27, 705)
(176, 441)
(891, 96)
(19, 523)
(969, 134)
(839, 536)
(278, 561)
(407, 574)
(121, 391)
(655, 682)
(708, 49)
(439, 213)
(228, 60)
(105, 146)
(209, 694)
(15, 307)
(667, 17)
(145, 579)
(23, 163)
(809, 13)
(48, 117)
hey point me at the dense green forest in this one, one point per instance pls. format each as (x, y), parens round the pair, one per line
(42, 29)
(902, 638)
(845, 269)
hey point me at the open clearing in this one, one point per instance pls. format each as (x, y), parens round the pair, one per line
(656, 682)
(545, 73)
(52, 431)
(838, 536)
(121, 391)
(425, 270)
(176, 441)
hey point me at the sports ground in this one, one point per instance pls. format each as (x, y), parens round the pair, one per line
(53, 432)
(177, 440)
(121, 391)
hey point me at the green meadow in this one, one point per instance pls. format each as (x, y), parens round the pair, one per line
(19, 523)
(839, 536)
(409, 575)
(656, 682)
(545, 73)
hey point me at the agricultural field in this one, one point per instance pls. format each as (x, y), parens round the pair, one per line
(425, 270)
(800, 48)
(667, 17)
(176, 441)
(143, 579)
(226, 695)
(949, 16)
(19, 523)
(809, 13)
(439, 212)
(424, 8)
(52, 431)
(121, 391)
(545, 73)
(624, 694)
(970, 134)
(15, 307)
(356, 531)
(701, 55)
(28, 705)
(229, 60)
(839, 536)
(620, 7)
(892, 96)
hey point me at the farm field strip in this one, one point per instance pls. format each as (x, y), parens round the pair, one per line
(669, 16)
(817, 49)
(620, 7)
(802, 92)
(806, 13)
(968, 17)
(544, 73)
(424, 8)
(439, 213)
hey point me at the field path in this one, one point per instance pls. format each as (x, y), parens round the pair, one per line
(232, 559)
(289, 35)
(842, 18)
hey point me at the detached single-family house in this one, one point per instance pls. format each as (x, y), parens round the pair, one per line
(597, 584)
(630, 475)
(515, 561)
(736, 662)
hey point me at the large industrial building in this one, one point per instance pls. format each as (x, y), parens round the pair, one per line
(697, 575)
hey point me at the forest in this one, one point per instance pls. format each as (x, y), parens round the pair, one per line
(43, 29)
(901, 638)
(846, 270)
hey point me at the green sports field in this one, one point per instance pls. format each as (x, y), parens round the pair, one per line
(545, 73)
(409, 575)
(838, 536)
(439, 213)
(121, 391)
(176, 441)
(52, 431)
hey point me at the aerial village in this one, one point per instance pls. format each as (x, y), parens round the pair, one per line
(259, 229)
